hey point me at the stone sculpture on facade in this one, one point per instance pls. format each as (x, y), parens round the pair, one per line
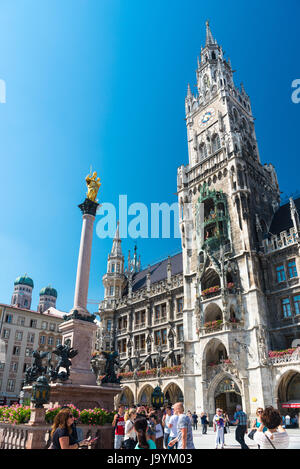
(171, 355)
(262, 347)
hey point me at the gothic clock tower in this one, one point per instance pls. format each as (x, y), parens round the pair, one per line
(227, 199)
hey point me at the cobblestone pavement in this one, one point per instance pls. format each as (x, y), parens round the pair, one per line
(208, 441)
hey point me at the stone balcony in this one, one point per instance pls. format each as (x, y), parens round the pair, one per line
(139, 326)
(153, 373)
(281, 241)
(220, 326)
(281, 358)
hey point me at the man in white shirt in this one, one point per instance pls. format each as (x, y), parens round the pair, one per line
(165, 422)
(287, 420)
(173, 429)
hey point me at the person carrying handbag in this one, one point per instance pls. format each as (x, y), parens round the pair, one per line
(256, 424)
(276, 436)
(130, 433)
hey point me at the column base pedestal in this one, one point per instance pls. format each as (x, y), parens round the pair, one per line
(83, 396)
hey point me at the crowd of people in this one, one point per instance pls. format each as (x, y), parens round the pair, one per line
(267, 429)
(143, 427)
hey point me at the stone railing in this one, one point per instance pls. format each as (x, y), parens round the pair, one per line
(214, 326)
(139, 326)
(276, 242)
(20, 436)
(145, 374)
(286, 358)
(220, 326)
(206, 294)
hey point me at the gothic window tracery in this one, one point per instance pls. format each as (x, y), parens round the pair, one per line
(216, 143)
(202, 151)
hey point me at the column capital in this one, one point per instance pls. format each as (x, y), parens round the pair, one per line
(88, 207)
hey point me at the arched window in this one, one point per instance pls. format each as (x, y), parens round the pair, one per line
(240, 176)
(215, 142)
(235, 115)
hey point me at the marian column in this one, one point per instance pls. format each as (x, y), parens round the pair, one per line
(88, 209)
(79, 328)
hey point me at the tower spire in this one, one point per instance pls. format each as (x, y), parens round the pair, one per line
(209, 37)
(116, 249)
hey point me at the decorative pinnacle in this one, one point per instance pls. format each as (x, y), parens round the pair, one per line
(189, 93)
(209, 37)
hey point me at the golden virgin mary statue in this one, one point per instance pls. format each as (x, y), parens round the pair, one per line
(93, 185)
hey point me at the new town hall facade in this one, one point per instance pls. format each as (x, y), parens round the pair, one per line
(201, 324)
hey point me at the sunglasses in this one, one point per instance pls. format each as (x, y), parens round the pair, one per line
(71, 416)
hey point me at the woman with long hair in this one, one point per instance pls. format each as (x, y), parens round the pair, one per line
(62, 429)
(130, 434)
(144, 442)
(275, 437)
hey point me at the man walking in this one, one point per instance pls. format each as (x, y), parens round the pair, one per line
(165, 423)
(184, 429)
(173, 431)
(241, 420)
(195, 420)
(204, 423)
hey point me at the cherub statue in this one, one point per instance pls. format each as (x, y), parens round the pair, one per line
(36, 369)
(111, 361)
(64, 352)
(93, 185)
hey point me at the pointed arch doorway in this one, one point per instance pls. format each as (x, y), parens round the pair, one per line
(227, 396)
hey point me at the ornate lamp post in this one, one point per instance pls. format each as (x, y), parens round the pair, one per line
(157, 398)
(40, 392)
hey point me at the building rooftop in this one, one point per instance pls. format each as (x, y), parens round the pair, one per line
(158, 272)
(282, 218)
(52, 312)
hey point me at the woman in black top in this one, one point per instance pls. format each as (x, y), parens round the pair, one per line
(61, 433)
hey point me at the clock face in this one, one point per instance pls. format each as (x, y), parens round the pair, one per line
(206, 117)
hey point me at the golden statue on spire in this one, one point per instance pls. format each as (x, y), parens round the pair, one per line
(93, 185)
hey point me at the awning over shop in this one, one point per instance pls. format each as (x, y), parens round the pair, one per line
(291, 405)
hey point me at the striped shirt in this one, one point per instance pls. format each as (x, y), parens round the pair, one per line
(279, 439)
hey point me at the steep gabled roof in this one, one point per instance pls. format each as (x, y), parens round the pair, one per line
(158, 272)
(282, 220)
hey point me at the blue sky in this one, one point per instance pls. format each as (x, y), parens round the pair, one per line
(102, 83)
